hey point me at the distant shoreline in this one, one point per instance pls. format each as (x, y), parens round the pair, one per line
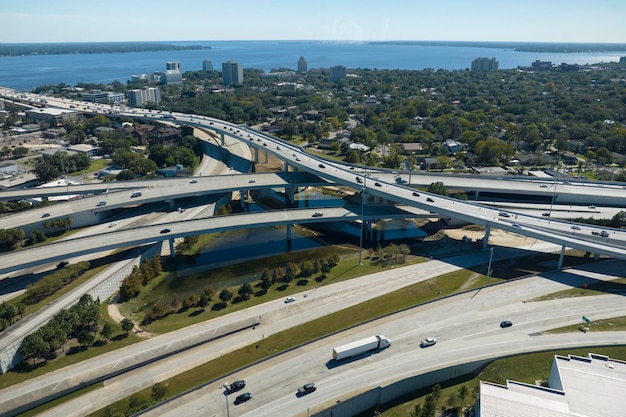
(552, 47)
(35, 49)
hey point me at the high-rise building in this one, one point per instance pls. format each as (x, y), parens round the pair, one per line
(173, 66)
(484, 64)
(139, 97)
(207, 65)
(302, 65)
(337, 73)
(232, 72)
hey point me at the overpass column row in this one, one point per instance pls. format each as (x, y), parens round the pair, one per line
(223, 139)
(561, 256)
(172, 250)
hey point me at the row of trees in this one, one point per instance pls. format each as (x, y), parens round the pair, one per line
(79, 322)
(51, 283)
(161, 309)
(53, 166)
(140, 276)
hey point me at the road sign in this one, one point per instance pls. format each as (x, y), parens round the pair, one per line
(585, 319)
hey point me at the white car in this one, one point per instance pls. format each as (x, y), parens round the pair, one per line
(289, 300)
(252, 181)
(429, 341)
(112, 224)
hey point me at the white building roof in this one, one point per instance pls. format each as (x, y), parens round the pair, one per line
(578, 387)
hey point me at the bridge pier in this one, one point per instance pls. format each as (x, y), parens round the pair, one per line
(242, 198)
(561, 256)
(286, 169)
(289, 197)
(223, 139)
(486, 238)
(172, 250)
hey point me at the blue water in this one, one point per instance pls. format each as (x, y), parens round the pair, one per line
(28, 72)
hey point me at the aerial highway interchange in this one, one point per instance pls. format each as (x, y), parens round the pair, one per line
(479, 343)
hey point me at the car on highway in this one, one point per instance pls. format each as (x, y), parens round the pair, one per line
(62, 264)
(278, 148)
(289, 300)
(252, 181)
(193, 181)
(307, 388)
(430, 200)
(101, 203)
(322, 166)
(243, 398)
(546, 214)
(298, 159)
(592, 207)
(506, 323)
(517, 225)
(112, 224)
(236, 386)
(359, 180)
(416, 194)
(378, 184)
(543, 186)
(429, 341)
(165, 231)
(45, 215)
(504, 214)
(136, 194)
(318, 214)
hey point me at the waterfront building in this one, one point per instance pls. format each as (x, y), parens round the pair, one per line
(577, 387)
(207, 65)
(337, 73)
(135, 78)
(172, 66)
(171, 77)
(302, 65)
(232, 72)
(541, 65)
(140, 97)
(484, 64)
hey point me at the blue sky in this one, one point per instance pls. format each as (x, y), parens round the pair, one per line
(343, 20)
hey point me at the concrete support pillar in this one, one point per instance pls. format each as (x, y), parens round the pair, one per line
(561, 256)
(256, 155)
(171, 203)
(286, 166)
(242, 198)
(172, 250)
(222, 139)
(289, 196)
(486, 238)
(596, 256)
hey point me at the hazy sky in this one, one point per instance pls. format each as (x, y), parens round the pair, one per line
(352, 20)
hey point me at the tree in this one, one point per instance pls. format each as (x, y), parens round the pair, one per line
(225, 295)
(245, 291)
(85, 338)
(37, 236)
(127, 325)
(158, 391)
(190, 301)
(463, 391)
(107, 330)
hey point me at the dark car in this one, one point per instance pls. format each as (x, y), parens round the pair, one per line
(359, 180)
(62, 264)
(430, 200)
(322, 166)
(136, 194)
(165, 231)
(318, 214)
(378, 184)
(243, 398)
(307, 388)
(45, 215)
(416, 194)
(546, 214)
(236, 386)
(506, 323)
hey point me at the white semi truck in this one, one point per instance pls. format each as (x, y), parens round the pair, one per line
(360, 346)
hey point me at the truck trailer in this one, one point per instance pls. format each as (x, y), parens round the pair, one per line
(360, 346)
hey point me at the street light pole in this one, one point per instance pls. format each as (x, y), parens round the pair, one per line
(489, 268)
(226, 396)
(553, 196)
(362, 222)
